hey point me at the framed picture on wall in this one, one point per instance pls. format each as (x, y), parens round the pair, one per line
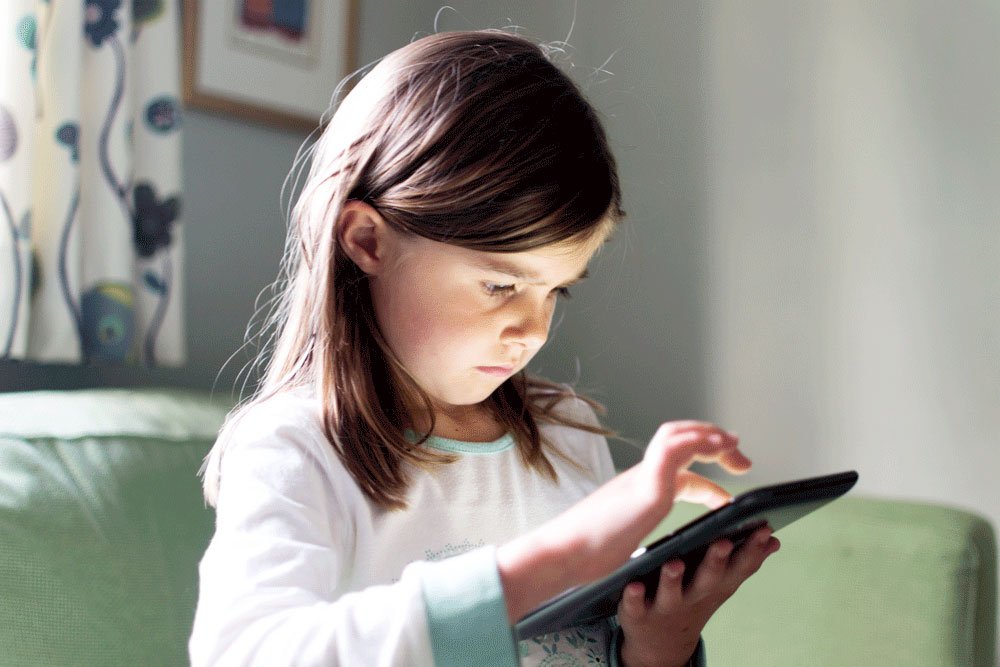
(269, 61)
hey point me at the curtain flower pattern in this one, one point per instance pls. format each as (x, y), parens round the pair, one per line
(90, 261)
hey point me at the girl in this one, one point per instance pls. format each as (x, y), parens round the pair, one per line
(399, 491)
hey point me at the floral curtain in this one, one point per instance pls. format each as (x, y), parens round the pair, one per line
(90, 261)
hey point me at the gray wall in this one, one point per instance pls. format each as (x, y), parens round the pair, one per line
(855, 307)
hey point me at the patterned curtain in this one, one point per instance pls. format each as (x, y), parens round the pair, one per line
(90, 261)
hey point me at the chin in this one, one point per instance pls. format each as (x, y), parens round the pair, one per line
(474, 397)
(474, 393)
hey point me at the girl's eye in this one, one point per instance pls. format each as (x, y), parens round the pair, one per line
(493, 289)
(498, 290)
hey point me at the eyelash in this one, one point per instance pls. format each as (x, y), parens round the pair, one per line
(492, 289)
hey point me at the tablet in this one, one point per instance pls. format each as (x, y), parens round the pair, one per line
(775, 506)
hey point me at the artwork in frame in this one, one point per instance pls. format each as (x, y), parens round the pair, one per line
(270, 61)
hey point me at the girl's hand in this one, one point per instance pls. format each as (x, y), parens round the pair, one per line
(599, 533)
(664, 632)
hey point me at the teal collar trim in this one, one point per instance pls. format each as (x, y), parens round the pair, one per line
(501, 444)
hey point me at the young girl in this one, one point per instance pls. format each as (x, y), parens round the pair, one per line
(399, 491)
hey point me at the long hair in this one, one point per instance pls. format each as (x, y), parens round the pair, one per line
(474, 139)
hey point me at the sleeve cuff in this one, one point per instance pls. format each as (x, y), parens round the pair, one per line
(466, 611)
(615, 651)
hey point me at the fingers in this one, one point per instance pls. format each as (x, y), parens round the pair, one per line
(712, 570)
(735, 461)
(670, 593)
(693, 488)
(748, 558)
(633, 606)
(724, 569)
(676, 444)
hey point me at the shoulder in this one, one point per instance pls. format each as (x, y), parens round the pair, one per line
(282, 430)
(294, 413)
(277, 442)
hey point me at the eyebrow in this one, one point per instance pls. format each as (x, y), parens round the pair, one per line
(514, 271)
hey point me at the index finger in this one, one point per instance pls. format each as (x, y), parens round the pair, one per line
(693, 488)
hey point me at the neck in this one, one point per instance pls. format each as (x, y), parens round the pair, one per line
(471, 423)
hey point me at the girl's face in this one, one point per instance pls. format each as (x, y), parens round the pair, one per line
(463, 321)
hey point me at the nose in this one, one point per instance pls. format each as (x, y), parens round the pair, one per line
(529, 324)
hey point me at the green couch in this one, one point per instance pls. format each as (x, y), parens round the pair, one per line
(102, 525)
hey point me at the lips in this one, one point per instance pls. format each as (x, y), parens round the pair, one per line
(496, 371)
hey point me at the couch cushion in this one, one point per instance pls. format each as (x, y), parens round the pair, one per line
(102, 524)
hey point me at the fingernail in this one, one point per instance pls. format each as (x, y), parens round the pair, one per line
(762, 538)
(674, 569)
(635, 590)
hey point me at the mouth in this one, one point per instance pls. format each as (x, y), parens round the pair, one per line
(496, 371)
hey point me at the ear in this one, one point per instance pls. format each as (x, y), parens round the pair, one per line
(362, 233)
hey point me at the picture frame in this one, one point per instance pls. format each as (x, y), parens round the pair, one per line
(274, 62)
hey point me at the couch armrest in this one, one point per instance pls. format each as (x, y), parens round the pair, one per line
(865, 581)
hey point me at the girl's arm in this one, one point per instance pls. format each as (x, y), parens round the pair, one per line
(598, 534)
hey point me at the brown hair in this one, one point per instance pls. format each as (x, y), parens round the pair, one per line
(475, 139)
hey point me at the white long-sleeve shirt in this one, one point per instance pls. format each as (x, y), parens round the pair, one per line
(304, 570)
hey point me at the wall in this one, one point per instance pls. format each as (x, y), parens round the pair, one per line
(853, 314)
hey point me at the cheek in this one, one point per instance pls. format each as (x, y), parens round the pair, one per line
(428, 330)
(436, 349)
(432, 321)
(442, 333)
(406, 324)
(421, 335)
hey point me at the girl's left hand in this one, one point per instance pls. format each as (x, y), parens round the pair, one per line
(665, 632)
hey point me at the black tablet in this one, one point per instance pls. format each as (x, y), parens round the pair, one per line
(776, 506)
